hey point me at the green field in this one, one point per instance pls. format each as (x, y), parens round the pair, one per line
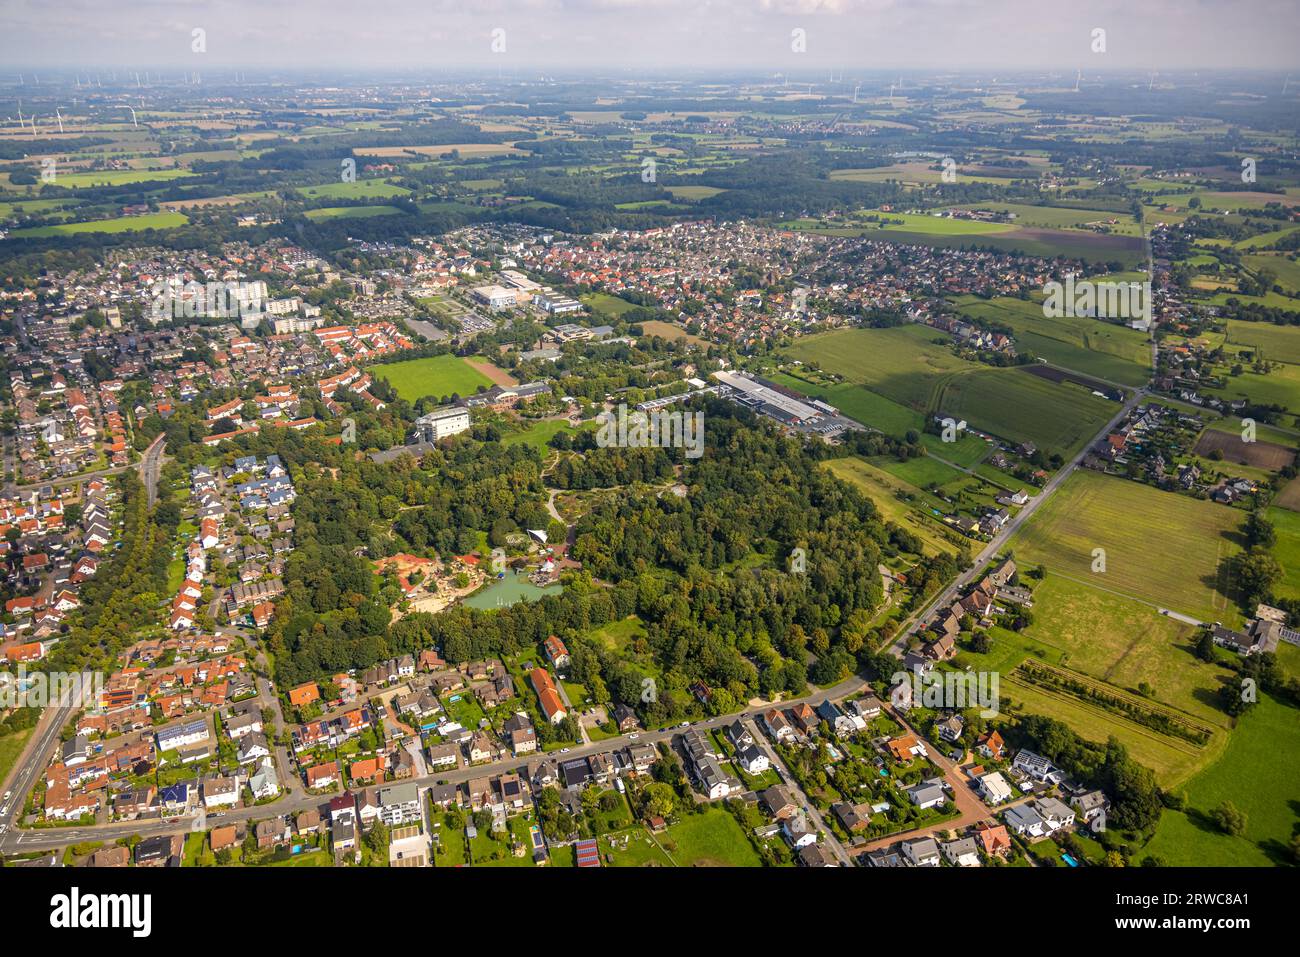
(710, 839)
(438, 376)
(11, 746)
(1090, 346)
(1287, 270)
(1258, 775)
(351, 212)
(1286, 525)
(859, 403)
(1073, 243)
(1279, 386)
(1126, 643)
(539, 434)
(617, 635)
(1060, 217)
(920, 472)
(1160, 547)
(358, 189)
(881, 487)
(120, 224)
(912, 368)
(603, 302)
(1015, 405)
(117, 177)
(1278, 343)
(904, 364)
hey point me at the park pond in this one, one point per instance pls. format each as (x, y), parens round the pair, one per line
(504, 592)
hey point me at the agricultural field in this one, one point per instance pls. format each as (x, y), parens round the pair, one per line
(1126, 643)
(118, 177)
(351, 212)
(858, 403)
(1269, 456)
(358, 189)
(1162, 548)
(1277, 343)
(883, 488)
(904, 364)
(908, 367)
(438, 376)
(1256, 777)
(1010, 403)
(1060, 217)
(120, 224)
(1106, 350)
(1286, 549)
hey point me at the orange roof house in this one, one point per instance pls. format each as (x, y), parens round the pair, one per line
(993, 838)
(304, 694)
(547, 695)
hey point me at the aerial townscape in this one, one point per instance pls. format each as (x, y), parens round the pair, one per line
(547, 466)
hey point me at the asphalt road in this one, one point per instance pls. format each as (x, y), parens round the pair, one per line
(15, 841)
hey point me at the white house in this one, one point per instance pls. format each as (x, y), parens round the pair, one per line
(922, 853)
(994, 788)
(962, 853)
(1056, 814)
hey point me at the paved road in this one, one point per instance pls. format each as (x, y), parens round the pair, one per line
(33, 761)
(810, 809)
(20, 841)
(999, 541)
(971, 809)
(150, 466)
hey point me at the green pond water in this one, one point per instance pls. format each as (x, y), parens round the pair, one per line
(506, 591)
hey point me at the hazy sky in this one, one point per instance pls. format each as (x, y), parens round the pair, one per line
(699, 35)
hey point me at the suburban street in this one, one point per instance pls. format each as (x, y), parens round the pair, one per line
(16, 840)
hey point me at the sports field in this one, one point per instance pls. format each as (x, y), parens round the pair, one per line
(439, 376)
(1160, 547)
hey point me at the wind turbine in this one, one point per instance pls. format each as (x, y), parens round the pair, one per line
(1078, 75)
(855, 91)
(59, 116)
(1152, 81)
(133, 120)
(1285, 85)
